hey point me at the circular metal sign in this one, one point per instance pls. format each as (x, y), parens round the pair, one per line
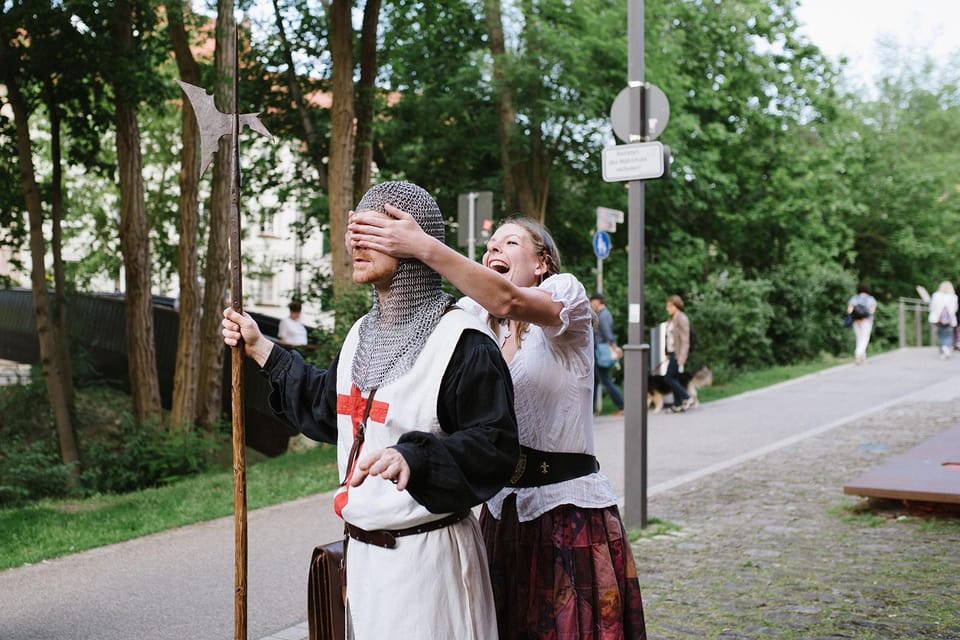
(601, 244)
(658, 113)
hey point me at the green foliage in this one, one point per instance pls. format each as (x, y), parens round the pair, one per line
(138, 456)
(30, 471)
(809, 298)
(732, 314)
(118, 455)
(905, 234)
(727, 383)
(52, 528)
(30, 466)
(786, 188)
(353, 303)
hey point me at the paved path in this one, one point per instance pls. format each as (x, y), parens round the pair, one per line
(178, 584)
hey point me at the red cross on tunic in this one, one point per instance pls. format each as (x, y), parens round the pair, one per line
(354, 405)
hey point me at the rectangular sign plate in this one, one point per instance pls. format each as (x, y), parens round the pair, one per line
(636, 161)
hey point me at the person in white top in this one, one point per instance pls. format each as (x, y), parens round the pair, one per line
(943, 315)
(292, 333)
(860, 309)
(560, 560)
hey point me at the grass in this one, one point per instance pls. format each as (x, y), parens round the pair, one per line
(655, 527)
(54, 528)
(750, 380)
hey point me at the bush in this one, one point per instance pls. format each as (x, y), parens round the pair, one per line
(26, 411)
(140, 456)
(30, 466)
(809, 301)
(30, 471)
(732, 317)
(117, 455)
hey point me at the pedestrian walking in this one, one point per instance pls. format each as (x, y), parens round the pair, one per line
(678, 349)
(943, 316)
(860, 309)
(606, 351)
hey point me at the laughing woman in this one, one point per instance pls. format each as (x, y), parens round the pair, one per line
(561, 563)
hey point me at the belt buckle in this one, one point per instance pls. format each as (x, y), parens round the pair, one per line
(385, 539)
(378, 538)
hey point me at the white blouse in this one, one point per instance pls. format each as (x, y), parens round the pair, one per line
(553, 396)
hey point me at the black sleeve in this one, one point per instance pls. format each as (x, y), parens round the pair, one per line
(479, 452)
(306, 397)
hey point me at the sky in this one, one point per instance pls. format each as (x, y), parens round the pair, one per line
(851, 28)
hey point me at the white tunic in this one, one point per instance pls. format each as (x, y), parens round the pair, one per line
(431, 585)
(553, 396)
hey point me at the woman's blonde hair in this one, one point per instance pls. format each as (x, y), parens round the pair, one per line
(546, 249)
(946, 287)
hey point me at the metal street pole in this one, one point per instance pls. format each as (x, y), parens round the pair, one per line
(472, 235)
(636, 351)
(599, 274)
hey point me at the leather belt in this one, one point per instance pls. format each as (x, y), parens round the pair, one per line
(538, 468)
(387, 538)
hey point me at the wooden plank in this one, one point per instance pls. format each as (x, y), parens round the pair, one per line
(929, 472)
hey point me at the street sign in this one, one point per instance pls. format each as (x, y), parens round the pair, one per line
(601, 244)
(608, 219)
(657, 111)
(636, 161)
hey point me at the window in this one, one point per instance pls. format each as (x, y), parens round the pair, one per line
(268, 289)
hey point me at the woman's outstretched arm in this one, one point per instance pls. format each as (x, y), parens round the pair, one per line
(400, 236)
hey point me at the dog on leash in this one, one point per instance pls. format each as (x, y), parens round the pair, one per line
(658, 390)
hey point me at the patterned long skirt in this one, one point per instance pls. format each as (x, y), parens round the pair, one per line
(568, 575)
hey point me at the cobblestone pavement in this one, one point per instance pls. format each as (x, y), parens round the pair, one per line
(774, 549)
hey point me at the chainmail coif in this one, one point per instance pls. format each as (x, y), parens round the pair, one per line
(395, 330)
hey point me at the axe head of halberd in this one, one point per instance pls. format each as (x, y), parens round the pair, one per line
(214, 124)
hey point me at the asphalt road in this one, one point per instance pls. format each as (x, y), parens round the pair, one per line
(179, 584)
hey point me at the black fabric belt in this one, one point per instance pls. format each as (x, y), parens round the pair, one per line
(387, 538)
(537, 468)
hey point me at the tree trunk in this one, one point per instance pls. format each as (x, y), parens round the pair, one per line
(314, 147)
(186, 378)
(218, 248)
(366, 94)
(53, 375)
(503, 97)
(134, 238)
(341, 143)
(535, 187)
(526, 180)
(59, 315)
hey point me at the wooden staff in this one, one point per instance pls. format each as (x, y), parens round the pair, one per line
(236, 370)
(213, 125)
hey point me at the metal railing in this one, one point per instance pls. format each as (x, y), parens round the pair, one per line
(913, 311)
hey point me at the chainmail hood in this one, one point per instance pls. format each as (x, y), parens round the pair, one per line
(396, 329)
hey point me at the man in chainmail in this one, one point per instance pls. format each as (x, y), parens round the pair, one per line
(393, 333)
(420, 405)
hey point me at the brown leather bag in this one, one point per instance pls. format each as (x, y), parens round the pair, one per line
(327, 592)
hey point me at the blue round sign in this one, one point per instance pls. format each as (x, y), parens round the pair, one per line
(601, 244)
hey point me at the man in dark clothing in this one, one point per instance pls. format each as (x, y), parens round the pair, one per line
(603, 338)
